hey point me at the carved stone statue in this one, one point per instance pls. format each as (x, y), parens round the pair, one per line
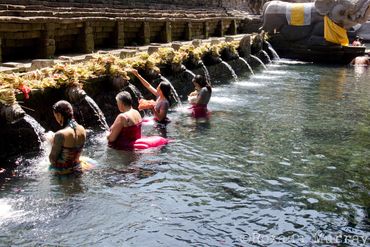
(302, 25)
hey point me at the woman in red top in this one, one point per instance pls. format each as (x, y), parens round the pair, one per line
(126, 129)
(125, 132)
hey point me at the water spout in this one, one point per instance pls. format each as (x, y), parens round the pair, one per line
(266, 55)
(206, 73)
(275, 56)
(231, 70)
(190, 73)
(177, 98)
(39, 130)
(258, 60)
(247, 64)
(101, 118)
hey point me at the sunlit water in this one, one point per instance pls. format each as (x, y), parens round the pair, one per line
(283, 161)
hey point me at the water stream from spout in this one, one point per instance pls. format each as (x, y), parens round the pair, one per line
(175, 94)
(206, 73)
(247, 64)
(259, 61)
(39, 130)
(231, 70)
(102, 122)
(267, 56)
(190, 73)
(275, 56)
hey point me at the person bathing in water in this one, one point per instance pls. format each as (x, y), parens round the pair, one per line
(125, 132)
(361, 61)
(127, 126)
(200, 97)
(67, 143)
(163, 102)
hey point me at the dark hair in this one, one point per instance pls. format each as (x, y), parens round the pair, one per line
(65, 109)
(166, 89)
(201, 80)
(125, 98)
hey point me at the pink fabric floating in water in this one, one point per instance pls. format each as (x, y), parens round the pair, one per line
(149, 142)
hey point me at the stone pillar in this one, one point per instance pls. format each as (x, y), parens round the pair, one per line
(206, 29)
(221, 28)
(47, 49)
(87, 38)
(188, 31)
(146, 33)
(233, 29)
(167, 32)
(120, 34)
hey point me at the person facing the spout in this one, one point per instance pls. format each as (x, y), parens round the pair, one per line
(127, 126)
(163, 102)
(200, 97)
(67, 143)
(125, 132)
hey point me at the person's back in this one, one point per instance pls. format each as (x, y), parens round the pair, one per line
(67, 142)
(204, 96)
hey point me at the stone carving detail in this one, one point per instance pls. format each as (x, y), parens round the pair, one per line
(345, 13)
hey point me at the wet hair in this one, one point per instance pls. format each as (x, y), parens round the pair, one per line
(166, 89)
(125, 98)
(201, 80)
(65, 109)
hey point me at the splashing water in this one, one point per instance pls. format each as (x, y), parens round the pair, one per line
(275, 56)
(176, 95)
(246, 63)
(259, 61)
(231, 70)
(98, 112)
(206, 73)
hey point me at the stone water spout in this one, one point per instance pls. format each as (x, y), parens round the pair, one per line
(206, 72)
(87, 111)
(247, 64)
(175, 94)
(121, 84)
(230, 69)
(258, 61)
(271, 51)
(19, 132)
(264, 56)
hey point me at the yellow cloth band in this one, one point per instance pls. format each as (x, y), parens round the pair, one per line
(334, 33)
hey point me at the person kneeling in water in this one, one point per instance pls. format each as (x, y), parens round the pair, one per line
(125, 132)
(67, 142)
(200, 97)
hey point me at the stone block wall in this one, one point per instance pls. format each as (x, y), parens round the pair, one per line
(249, 5)
(44, 29)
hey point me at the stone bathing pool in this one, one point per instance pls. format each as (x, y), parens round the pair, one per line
(283, 161)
